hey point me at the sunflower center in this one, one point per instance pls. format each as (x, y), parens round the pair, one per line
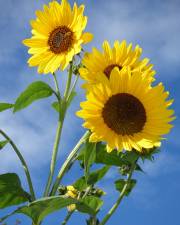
(60, 39)
(124, 114)
(109, 68)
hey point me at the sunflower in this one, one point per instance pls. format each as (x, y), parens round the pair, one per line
(120, 56)
(57, 36)
(126, 112)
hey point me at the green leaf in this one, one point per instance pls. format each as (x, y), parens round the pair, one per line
(149, 154)
(80, 184)
(55, 105)
(93, 178)
(89, 157)
(3, 143)
(130, 157)
(39, 209)
(71, 97)
(90, 205)
(103, 157)
(11, 192)
(97, 175)
(120, 185)
(34, 92)
(138, 168)
(5, 106)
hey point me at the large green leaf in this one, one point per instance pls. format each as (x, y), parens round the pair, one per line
(89, 157)
(90, 205)
(93, 178)
(130, 157)
(39, 209)
(11, 192)
(103, 157)
(34, 91)
(3, 143)
(120, 185)
(97, 175)
(5, 106)
(80, 184)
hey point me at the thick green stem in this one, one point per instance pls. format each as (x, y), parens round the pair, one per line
(123, 192)
(67, 163)
(25, 167)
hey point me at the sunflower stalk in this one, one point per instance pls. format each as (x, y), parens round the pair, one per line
(62, 114)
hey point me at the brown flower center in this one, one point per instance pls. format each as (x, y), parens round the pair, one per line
(124, 114)
(109, 68)
(60, 39)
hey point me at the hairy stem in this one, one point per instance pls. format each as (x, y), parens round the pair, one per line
(67, 163)
(23, 162)
(123, 192)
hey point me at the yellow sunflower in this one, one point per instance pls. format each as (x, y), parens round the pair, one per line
(126, 112)
(120, 56)
(57, 36)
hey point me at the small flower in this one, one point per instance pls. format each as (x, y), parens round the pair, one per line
(73, 193)
(126, 112)
(120, 56)
(57, 36)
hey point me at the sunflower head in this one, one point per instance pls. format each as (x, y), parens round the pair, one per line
(57, 35)
(126, 112)
(120, 55)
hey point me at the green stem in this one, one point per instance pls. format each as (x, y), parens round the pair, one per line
(73, 86)
(57, 87)
(57, 139)
(68, 85)
(67, 163)
(54, 156)
(25, 167)
(67, 218)
(123, 192)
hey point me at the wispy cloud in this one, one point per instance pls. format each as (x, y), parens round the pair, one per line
(153, 25)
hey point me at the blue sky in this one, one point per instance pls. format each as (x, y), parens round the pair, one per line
(154, 25)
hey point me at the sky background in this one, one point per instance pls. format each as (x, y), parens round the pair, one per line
(155, 26)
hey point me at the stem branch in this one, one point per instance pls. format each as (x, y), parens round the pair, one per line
(67, 163)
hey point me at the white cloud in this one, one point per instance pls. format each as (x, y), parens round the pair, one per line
(152, 25)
